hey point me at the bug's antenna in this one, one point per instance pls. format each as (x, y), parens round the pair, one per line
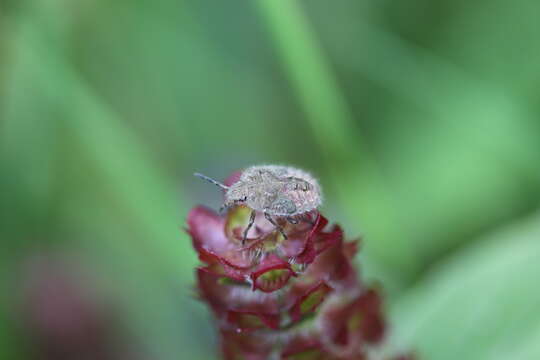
(217, 183)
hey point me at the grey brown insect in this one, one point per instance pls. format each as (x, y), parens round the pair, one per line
(276, 191)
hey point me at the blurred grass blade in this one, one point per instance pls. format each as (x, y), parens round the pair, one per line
(130, 207)
(126, 168)
(356, 178)
(481, 304)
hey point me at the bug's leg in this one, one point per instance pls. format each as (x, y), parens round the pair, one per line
(249, 225)
(273, 222)
(223, 209)
(292, 220)
(307, 218)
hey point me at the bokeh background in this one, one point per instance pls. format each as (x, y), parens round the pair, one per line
(420, 118)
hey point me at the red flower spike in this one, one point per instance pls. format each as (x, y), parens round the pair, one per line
(334, 267)
(326, 239)
(220, 269)
(349, 326)
(250, 320)
(373, 325)
(271, 274)
(310, 299)
(304, 347)
(308, 251)
(207, 230)
(350, 249)
(238, 345)
(227, 297)
(293, 299)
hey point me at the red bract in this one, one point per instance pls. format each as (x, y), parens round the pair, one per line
(277, 298)
(349, 323)
(307, 299)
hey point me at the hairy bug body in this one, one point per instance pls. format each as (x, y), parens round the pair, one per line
(276, 191)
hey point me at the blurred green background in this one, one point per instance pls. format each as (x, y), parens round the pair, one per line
(420, 118)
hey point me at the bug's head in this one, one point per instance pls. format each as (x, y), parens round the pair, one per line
(237, 193)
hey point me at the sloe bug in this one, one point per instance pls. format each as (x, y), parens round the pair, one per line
(274, 190)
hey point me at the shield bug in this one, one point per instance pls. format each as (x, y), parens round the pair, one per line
(276, 191)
